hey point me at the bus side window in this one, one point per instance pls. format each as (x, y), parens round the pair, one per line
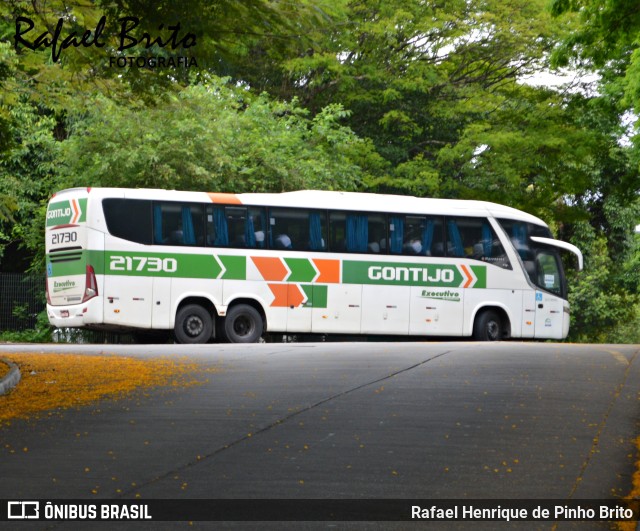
(317, 230)
(474, 238)
(167, 229)
(239, 228)
(356, 233)
(376, 233)
(177, 224)
(416, 235)
(232, 226)
(192, 224)
(337, 232)
(432, 236)
(289, 229)
(257, 221)
(129, 219)
(396, 234)
(217, 231)
(297, 229)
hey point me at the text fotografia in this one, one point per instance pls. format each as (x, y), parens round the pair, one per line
(127, 38)
(153, 62)
(510, 514)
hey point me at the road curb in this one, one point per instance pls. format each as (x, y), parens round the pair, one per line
(11, 379)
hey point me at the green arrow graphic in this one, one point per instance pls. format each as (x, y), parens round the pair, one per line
(235, 267)
(301, 270)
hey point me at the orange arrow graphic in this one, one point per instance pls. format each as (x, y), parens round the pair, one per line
(296, 296)
(270, 268)
(280, 293)
(466, 272)
(76, 211)
(329, 270)
(286, 295)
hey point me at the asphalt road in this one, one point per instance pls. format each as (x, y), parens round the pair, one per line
(340, 420)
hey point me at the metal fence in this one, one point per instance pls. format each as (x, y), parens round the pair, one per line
(21, 299)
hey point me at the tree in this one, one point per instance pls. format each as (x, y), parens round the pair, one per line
(606, 40)
(216, 34)
(215, 137)
(415, 75)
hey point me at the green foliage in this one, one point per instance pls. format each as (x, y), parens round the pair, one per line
(416, 75)
(602, 309)
(608, 28)
(224, 33)
(41, 333)
(214, 137)
(28, 173)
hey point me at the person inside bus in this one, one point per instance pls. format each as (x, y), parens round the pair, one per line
(478, 251)
(283, 242)
(374, 247)
(413, 247)
(176, 237)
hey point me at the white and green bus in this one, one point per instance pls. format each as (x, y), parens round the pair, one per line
(235, 267)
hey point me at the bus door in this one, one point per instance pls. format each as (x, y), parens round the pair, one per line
(549, 316)
(549, 306)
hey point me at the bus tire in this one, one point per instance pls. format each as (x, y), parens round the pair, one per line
(243, 324)
(194, 324)
(488, 326)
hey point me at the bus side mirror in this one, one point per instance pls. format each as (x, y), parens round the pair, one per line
(562, 245)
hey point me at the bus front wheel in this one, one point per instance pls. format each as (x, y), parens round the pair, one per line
(193, 324)
(488, 326)
(243, 324)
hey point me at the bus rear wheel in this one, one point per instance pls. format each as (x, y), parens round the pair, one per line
(488, 326)
(243, 324)
(194, 324)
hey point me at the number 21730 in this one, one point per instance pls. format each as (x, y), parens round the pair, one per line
(151, 264)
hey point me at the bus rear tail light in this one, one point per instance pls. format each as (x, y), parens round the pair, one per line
(90, 284)
(46, 290)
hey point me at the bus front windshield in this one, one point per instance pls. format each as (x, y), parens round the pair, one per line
(541, 262)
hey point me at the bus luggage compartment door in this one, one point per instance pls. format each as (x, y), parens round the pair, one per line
(161, 303)
(343, 312)
(127, 296)
(385, 309)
